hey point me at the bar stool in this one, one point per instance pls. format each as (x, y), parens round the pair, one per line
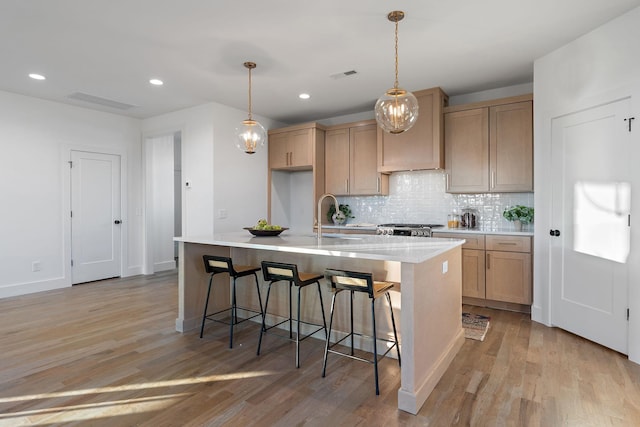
(359, 282)
(217, 265)
(275, 272)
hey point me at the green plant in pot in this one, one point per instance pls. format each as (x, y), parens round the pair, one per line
(342, 216)
(519, 214)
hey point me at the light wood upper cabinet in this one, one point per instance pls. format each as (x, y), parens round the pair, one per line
(422, 146)
(291, 149)
(467, 150)
(336, 175)
(511, 147)
(351, 160)
(489, 148)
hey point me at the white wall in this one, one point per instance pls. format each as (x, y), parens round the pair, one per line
(36, 137)
(599, 67)
(220, 177)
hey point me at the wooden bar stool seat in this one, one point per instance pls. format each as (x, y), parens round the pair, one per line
(219, 265)
(275, 272)
(353, 281)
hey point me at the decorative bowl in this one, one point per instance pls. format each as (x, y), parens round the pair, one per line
(262, 233)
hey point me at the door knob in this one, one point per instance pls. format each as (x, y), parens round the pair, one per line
(555, 233)
(117, 221)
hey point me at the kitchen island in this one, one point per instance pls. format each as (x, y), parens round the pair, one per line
(428, 300)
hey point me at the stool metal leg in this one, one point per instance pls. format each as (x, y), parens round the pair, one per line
(234, 313)
(264, 327)
(206, 305)
(326, 345)
(259, 297)
(324, 319)
(395, 335)
(298, 331)
(290, 317)
(351, 318)
(375, 343)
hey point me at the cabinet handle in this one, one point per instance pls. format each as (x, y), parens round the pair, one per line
(492, 179)
(378, 185)
(507, 243)
(446, 185)
(346, 185)
(488, 261)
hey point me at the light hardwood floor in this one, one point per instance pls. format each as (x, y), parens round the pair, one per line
(107, 353)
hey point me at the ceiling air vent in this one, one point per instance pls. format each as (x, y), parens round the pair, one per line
(343, 74)
(100, 101)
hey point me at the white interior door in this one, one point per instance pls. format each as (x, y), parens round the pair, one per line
(589, 242)
(95, 216)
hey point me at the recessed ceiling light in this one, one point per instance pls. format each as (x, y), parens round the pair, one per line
(304, 96)
(156, 82)
(37, 76)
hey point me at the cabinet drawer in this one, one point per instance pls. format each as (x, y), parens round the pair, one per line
(508, 243)
(473, 241)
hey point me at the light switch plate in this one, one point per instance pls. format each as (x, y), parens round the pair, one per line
(445, 267)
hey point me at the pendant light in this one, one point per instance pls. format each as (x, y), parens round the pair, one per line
(250, 134)
(396, 110)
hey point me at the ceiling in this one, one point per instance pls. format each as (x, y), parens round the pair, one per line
(111, 48)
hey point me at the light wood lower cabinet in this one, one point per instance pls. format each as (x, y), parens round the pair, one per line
(473, 278)
(496, 270)
(508, 269)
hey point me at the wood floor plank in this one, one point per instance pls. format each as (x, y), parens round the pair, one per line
(107, 354)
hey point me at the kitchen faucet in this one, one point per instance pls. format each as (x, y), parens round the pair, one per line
(319, 219)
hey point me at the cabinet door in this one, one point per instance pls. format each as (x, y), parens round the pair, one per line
(364, 177)
(473, 277)
(511, 147)
(508, 277)
(300, 148)
(279, 151)
(422, 146)
(466, 136)
(337, 161)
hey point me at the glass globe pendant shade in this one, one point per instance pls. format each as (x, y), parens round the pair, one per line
(396, 111)
(250, 135)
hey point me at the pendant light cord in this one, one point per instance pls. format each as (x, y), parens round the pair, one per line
(395, 85)
(250, 117)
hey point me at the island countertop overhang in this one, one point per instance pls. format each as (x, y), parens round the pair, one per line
(385, 248)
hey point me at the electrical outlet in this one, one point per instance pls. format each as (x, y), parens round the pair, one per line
(445, 267)
(36, 266)
(222, 213)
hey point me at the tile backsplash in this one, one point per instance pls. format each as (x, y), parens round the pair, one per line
(420, 197)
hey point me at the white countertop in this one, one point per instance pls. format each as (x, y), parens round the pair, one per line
(385, 248)
(502, 231)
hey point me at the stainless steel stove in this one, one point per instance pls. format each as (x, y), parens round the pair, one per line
(414, 230)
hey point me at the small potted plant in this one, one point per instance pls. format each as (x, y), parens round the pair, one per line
(519, 215)
(340, 217)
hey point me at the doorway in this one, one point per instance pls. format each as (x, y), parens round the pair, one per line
(591, 208)
(95, 216)
(163, 200)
